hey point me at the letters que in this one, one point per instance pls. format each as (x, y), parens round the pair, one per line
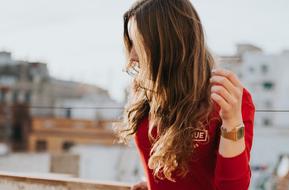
(200, 135)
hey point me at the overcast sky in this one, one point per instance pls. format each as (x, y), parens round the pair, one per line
(81, 40)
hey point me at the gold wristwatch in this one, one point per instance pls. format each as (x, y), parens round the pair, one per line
(235, 134)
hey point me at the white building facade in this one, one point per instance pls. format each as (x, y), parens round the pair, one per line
(266, 76)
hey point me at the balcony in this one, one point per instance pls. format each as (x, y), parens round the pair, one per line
(13, 181)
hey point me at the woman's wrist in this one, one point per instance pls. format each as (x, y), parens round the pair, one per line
(232, 124)
(231, 148)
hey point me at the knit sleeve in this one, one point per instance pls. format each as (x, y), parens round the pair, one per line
(234, 172)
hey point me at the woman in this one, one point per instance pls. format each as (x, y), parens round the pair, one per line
(192, 122)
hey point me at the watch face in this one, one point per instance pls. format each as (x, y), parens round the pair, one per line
(234, 135)
(240, 133)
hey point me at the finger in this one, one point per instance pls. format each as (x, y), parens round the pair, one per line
(226, 83)
(228, 74)
(137, 186)
(144, 185)
(134, 187)
(220, 101)
(220, 90)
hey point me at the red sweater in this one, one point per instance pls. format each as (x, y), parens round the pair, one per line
(209, 170)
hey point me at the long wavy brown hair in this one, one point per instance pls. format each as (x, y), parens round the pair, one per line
(174, 59)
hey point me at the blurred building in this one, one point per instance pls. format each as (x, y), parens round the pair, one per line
(266, 77)
(30, 83)
(57, 135)
(28, 91)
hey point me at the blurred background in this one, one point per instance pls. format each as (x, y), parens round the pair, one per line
(62, 87)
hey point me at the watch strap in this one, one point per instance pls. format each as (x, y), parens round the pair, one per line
(235, 134)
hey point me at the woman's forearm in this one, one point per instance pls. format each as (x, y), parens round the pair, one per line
(229, 148)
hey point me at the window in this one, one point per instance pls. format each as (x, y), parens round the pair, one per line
(264, 69)
(67, 145)
(68, 112)
(267, 122)
(3, 96)
(28, 97)
(268, 85)
(41, 145)
(15, 96)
